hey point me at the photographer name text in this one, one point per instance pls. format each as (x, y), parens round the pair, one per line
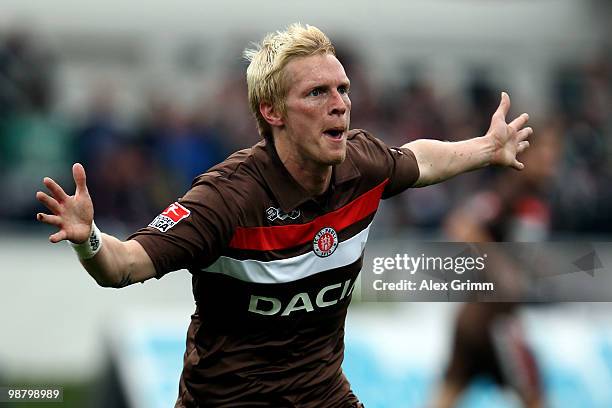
(432, 286)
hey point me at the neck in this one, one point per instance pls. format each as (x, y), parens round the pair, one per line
(312, 177)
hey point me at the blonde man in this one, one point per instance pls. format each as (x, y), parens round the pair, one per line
(274, 235)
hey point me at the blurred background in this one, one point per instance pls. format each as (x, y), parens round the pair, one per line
(147, 96)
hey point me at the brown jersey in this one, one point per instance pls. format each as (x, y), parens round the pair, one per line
(273, 271)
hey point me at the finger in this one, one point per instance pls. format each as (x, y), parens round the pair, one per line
(58, 193)
(49, 219)
(58, 236)
(49, 202)
(517, 165)
(504, 106)
(78, 172)
(524, 133)
(522, 146)
(519, 122)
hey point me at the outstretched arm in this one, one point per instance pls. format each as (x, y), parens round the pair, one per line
(439, 161)
(117, 263)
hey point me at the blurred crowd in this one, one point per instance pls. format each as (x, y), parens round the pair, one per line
(136, 167)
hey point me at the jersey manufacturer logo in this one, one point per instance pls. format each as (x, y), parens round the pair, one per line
(325, 242)
(277, 214)
(170, 217)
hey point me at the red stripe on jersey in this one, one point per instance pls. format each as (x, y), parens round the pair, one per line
(288, 236)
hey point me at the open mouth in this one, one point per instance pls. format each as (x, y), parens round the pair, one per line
(335, 133)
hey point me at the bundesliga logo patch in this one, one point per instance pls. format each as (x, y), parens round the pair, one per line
(170, 217)
(325, 242)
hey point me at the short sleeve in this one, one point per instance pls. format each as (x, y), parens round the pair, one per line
(190, 232)
(404, 171)
(397, 164)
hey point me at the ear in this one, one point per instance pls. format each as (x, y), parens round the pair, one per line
(270, 114)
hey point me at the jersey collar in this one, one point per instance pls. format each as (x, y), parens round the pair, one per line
(286, 190)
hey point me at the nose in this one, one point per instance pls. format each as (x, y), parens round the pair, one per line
(339, 103)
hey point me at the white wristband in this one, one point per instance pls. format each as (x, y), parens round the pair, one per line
(91, 246)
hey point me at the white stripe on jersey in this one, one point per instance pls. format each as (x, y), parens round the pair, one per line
(294, 268)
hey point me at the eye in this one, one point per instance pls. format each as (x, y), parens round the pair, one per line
(315, 92)
(343, 89)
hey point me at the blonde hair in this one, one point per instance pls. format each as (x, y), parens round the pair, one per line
(265, 73)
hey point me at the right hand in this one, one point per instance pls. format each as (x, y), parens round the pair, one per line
(73, 215)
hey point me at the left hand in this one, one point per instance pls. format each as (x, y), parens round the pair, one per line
(508, 139)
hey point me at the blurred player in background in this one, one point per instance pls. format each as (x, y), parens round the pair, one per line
(274, 235)
(488, 339)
